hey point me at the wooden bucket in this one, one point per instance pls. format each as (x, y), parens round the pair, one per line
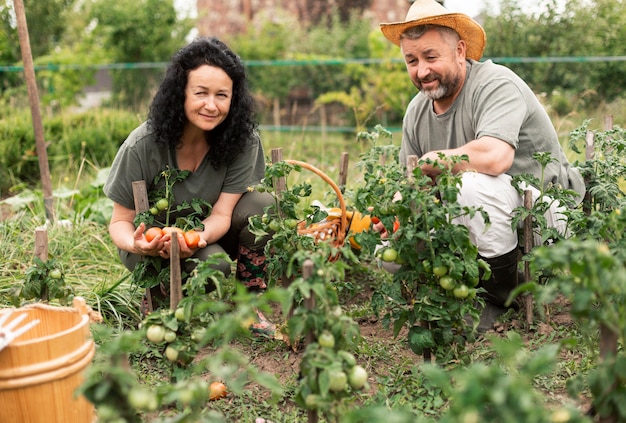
(41, 369)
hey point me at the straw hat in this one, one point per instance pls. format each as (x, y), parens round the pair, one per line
(425, 12)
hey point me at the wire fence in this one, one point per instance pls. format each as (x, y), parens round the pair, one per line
(309, 62)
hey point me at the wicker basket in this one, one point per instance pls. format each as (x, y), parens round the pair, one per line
(41, 369)
(333, 230)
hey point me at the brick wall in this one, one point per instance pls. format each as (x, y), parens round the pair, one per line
(222, 18)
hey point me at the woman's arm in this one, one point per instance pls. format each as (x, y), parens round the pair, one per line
(218, 222)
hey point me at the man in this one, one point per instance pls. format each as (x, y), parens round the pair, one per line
(486, 112)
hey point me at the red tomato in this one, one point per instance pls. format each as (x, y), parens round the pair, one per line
(396, 225)
(152, 233)
(171, 229)
(192, 238)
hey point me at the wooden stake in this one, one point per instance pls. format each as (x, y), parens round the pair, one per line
(343, 171)
(33, 99)
(528, 245)
(176, 290)
(41, 244)
(140, 197)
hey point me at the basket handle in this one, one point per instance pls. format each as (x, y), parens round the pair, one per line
(342, 204)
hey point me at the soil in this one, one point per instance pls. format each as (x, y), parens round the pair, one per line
(285, 363)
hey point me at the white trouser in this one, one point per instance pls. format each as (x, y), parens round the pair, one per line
(498, 198)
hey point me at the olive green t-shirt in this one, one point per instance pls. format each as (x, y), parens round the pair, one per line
(494, 102)
(141, 158)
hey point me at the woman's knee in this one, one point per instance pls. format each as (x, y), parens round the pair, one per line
(251, 204)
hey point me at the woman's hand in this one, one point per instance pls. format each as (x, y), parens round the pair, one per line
(184, 250)
(156, 247)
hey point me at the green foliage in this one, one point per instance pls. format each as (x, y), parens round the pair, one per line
(605, 170)
(127, 29)
(44, 281)
(503, 391)
(163, 204)
(588, 267)
(82, 140)
(171, 341)
(554, 31)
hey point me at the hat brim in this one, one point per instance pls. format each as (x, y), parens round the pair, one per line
(469, 30)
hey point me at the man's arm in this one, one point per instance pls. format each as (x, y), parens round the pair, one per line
(487, 155)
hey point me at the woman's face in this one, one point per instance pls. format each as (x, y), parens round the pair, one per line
(208, 96)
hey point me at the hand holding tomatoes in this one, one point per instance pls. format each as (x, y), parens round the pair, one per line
(159, 241)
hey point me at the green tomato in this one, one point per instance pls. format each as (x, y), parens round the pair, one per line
(428, 267)
(461, 291)
(198, 334)
(357, 377)
(291, 223)
(312, 401)
(338, 381)
(186, 396)
(154, 211)
(440, 271)
(390, 255)
(472, 281)
(162, 204)
(55, 274)
(399, 260)
(171, 353)
(155, 334)
(274, 225)
(170, 336)
(447, 283)
(142, 399)
(326, 340)
(180, 314)
(347, 357)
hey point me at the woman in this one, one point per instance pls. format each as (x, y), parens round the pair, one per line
(201, 133)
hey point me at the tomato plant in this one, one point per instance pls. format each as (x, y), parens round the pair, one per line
(431, 246)
(45, 281)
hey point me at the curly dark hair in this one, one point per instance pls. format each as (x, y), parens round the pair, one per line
(167, 115)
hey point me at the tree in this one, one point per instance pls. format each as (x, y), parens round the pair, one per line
(46, 27)
(138, 31)
(584, 28)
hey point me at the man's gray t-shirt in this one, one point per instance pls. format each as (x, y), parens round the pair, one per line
(494, 102)
(141, 158)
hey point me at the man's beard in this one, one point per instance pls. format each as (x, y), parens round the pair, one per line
(446, 88)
